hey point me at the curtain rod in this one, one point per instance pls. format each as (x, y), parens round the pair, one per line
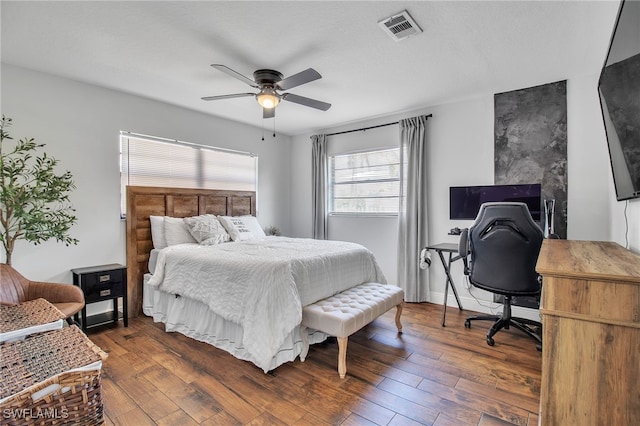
(368, 128)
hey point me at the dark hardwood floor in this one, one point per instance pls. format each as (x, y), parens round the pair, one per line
(429, 375)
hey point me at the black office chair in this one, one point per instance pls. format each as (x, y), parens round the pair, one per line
(500, 252)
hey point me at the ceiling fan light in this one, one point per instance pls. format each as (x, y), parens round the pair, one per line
(268, 98)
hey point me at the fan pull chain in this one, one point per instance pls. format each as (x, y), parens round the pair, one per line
(262, 129)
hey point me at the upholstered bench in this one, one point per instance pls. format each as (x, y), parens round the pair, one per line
(345, 313)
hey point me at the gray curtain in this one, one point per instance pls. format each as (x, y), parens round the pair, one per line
(319, 186)
(412, 218)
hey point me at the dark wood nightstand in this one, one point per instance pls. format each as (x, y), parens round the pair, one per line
(100, 283)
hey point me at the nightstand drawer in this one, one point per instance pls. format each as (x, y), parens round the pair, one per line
(107, 289)
(102, 278)
(102, 284)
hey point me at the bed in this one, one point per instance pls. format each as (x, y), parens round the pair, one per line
(244, 297)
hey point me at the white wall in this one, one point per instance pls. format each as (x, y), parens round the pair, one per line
(461, 144)
(625, 222)
(80, 125)
(589, 172)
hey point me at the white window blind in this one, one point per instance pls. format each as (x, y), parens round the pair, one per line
(365, 182)
(150, 161)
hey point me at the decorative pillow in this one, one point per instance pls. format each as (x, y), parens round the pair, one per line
(254, 226)
(157, 232)
(176, 231)
(242, 228)
(206, 229)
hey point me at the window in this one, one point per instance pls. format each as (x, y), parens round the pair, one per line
(149, 161)
(365, 182)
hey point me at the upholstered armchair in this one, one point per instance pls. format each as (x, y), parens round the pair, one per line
(14, 288)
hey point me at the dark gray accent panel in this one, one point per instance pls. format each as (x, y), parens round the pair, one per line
(531, 143)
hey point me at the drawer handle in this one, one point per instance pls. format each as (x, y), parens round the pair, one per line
(105, 278)
(105, 292)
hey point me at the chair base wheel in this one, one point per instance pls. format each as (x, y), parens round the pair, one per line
(490, 341)
(467, 324)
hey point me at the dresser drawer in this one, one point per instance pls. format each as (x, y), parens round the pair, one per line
(103, 285)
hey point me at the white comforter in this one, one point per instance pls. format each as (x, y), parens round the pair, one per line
(263, 284)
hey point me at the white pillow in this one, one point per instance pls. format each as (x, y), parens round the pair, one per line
(242, 228)
(252, 223)
(206, 229)
(176, 231)
(157, 232)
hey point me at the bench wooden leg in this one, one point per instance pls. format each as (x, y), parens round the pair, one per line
(398, 313)
(342, 356)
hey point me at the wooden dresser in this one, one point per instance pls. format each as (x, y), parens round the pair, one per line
(591, 334)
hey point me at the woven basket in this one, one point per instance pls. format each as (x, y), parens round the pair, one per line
(77, 400)
(39, 387)
(28, 314)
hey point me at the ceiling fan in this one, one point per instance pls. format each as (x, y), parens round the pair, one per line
(270, 82)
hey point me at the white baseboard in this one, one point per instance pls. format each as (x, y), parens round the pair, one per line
(484, 306)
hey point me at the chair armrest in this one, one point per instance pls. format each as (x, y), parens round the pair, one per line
(55, 293)
(463, 243)
(463, 249)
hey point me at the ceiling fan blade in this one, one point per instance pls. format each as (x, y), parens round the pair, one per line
(268, 112)
(234, 95)
(297, 79)
(225, 69)
(306, 101)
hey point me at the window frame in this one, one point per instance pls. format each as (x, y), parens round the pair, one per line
(331, 184)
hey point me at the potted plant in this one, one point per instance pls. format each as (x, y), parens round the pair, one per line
(34, 200)
(272, 230)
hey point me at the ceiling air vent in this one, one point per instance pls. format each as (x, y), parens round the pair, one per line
(400, 26)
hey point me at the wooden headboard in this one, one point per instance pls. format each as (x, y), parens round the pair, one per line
(143, 201)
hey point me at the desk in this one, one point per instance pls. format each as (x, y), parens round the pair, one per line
(451, 249)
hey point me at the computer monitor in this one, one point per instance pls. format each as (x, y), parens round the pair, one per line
(465, 201)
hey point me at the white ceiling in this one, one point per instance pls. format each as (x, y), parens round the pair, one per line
(162, 50)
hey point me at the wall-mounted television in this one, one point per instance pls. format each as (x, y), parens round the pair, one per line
(619, 91)
(465, 201)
